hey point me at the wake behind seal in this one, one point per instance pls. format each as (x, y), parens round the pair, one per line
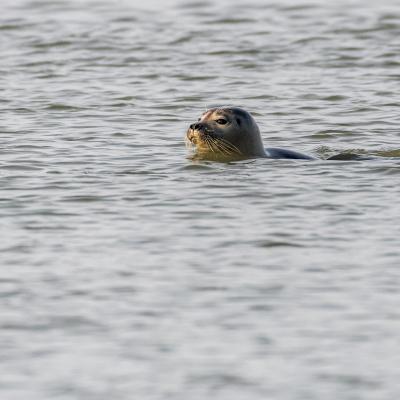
(231, 133)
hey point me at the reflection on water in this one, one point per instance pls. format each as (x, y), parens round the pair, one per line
(132, 271)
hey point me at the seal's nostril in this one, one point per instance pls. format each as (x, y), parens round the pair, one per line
(196, 126)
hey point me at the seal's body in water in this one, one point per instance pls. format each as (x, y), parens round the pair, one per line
(232, 133)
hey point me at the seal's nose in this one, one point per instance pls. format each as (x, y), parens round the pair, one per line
(197, 126)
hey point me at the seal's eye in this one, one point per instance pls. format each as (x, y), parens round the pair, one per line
(221, 121)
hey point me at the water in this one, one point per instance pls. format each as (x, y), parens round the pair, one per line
(130, 271)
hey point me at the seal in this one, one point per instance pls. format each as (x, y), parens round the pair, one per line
(231, 133)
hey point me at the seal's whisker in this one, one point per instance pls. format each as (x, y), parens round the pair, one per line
(222, 148)
(215, 146)
(230, 146)
(213, 143)
(227, 150)
(218, 148)
(209, 143)
(233, 147)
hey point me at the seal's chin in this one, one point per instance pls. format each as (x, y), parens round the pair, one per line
(192, 136)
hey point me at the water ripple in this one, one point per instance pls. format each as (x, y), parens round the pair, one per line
(126, 262)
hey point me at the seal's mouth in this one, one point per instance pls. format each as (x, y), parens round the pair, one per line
(200, 135)
(191, 136)
(197, 137)
(209, 142)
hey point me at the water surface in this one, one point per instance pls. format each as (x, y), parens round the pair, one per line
(132, 272)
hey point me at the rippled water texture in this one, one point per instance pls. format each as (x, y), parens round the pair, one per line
(130, 271)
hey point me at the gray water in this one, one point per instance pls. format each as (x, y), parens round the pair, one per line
(129, 271)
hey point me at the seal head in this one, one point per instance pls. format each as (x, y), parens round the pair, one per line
(231, 133)
(226, 132)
